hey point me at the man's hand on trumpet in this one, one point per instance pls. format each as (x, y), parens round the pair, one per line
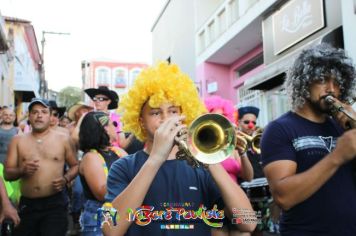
(241, 142)
(342, 112)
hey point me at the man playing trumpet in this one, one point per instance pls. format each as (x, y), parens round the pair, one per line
(248, 145)
(247, 125)
(161, 103)
(306, 153)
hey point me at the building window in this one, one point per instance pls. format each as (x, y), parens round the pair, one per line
(276, 103)
(120, 78)
(201, 41)
(222, 21)
(250, 65)
(133, 74)
(234, 9)
(272, 103)
(211, 30)
(102, 78)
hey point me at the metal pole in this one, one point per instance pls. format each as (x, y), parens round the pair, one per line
(43, 89)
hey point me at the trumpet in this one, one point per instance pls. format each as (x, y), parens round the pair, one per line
(338, 107)
(351, 124)
(211, 139)
(252, 142)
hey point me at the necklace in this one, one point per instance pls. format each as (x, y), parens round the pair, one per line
(39, 140)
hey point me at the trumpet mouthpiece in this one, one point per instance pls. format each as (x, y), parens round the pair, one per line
(329, 99)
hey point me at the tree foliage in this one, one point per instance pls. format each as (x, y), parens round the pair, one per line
(69, 96)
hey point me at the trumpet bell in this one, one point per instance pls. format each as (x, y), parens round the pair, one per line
(211, 138)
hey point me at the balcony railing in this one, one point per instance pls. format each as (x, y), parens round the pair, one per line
(221, 20)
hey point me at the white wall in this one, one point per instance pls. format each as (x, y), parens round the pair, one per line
(6, 93)
(348, 8)
(204, 9)
(26, 76)
(173, 36)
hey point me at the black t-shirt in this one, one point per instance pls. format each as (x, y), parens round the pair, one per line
(175, 183)
(256, 163)
(332, 209)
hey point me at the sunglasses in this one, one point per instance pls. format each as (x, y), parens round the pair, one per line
(100, 99)
(246, 122)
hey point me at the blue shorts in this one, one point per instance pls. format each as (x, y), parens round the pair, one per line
(88, 219)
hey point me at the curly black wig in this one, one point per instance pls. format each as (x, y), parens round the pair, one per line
(313, 64)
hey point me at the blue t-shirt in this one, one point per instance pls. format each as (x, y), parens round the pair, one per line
(332, 209)
(5, 138)
(176, 184)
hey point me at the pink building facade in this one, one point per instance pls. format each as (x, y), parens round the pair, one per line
(118, 76)
(243, 49)
(223, 80)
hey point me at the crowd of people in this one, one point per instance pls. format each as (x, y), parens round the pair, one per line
(296, 176)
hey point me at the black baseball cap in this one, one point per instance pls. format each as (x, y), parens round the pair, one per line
(41, 101)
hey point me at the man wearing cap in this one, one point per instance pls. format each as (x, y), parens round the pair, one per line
(247, 124)
(247, 119)
(37, 159)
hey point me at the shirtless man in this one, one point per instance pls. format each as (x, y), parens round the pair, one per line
(37, 159)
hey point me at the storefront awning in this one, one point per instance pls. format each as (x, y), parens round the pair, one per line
(26, 90)
(274, 74)
(27, 95)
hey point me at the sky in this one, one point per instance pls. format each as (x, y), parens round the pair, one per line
(117, 30)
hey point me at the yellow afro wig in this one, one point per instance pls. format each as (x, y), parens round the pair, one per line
(157, 85)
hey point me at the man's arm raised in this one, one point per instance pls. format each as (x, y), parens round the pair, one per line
(133, 195)
(233, 195)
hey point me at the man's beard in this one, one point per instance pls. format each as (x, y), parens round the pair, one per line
(319, 106)
(4, 122)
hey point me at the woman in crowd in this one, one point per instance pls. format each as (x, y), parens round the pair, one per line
(235, 165)
(238, 167)
(95, 136)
